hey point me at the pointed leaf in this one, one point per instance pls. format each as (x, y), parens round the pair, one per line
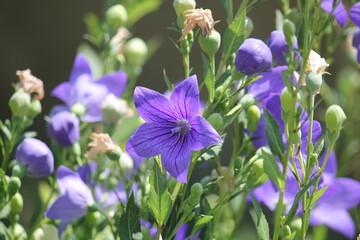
(129, 224)
(167, 81)
(159, 200)
(272, 169)
(262, 225)
(209, 77)
(273, 135)
(318, 195)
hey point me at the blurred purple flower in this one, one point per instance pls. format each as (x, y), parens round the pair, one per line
(355, 14)
(173, 128)
(339, 13)
(82, 89)
(183, 233)
(148, 225)
(279, 48)
(331, 208)
(356, 38)
(253, 56)
(36, 155)
(64, 127)
(74, 201)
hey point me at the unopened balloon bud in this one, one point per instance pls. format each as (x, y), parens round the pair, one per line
(181, 6)
(210, 44)
(116, 16)
(253, 115)
(20, 103)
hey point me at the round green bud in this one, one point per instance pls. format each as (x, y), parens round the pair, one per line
(19, 170)
(19, 232)
(112, 109)
(112, 182)
(78, 109)
(216, 121)
(238, 164)
(92, 218)
(205, 180)
(116, 16)
(296, 224)
(181, 6)
(285, 231)
(136, 52)
(218, 91)
(17, 204)
(20, 103)
(334, 118)
(253, 116)
(35, 108)
(286, 99)
(247, 100)
(257, 174)
(196, 189)
(297, 136)
(126, 162)
(313, 81)
(289, 31)
(46, 232)
(14, 185)
(210, 44)
(249, 26)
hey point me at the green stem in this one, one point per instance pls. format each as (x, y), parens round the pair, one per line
(186, 62)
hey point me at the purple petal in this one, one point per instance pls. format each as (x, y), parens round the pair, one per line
(337, 219)
(356, 38)
(203, 134)
(185, 98)
(304, 133)
(70, 182)
(65, 128)
(343, 193)
(62, 92)
(136, 158)
(115, 82)
(182, 232)
(330, 170)
(176, 158)
(150, 139)
(358, 55)
(267, 194)
(152, 106)
(37, 156)
(80, 67)
(339, 13)
(355, 14)
(66, 209)
(111, 197)
(84, 172)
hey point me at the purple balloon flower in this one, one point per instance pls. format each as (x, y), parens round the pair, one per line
(65, 128)
(279, 48)
(173, 127)
(83, 90)
(355, 14)
(36, 155)
(339, 13)
(253, 56)
(183, 233)
(74, 201)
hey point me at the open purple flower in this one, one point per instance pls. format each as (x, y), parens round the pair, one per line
(74, 201)
(173, 127)
(87, 95)
(339, 12)
(355, 14)
(64, 127)
(37, 156)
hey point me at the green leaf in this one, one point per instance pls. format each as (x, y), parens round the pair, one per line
(167, 81)
(272, 169)
(209, 153)
(298, 196)
(6, 132)
(159, 201)
(209, 185)
(319, 146)
(317, 195)
(129, 224)
(262, 225)
(138, 9)
(200, 223)
(235, 34)
(209, 77)
(279, 19)
(273, 135)
(94, 27)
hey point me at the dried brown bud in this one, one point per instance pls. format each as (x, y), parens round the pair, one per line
(200, 17)
(30, 84)
(102, 143)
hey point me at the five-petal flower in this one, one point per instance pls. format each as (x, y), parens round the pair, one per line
(173, 127)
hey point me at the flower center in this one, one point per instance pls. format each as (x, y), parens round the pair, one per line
(182, 127)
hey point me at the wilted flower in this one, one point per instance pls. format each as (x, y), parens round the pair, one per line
(74, 201)
(316, 63)
(279, 48)
(173, 128)
(82, 90)
(339, 13)
(64, 127)
(102, 143)
(253, 56)
(36, 155)
(30, 84)
(200, 17)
